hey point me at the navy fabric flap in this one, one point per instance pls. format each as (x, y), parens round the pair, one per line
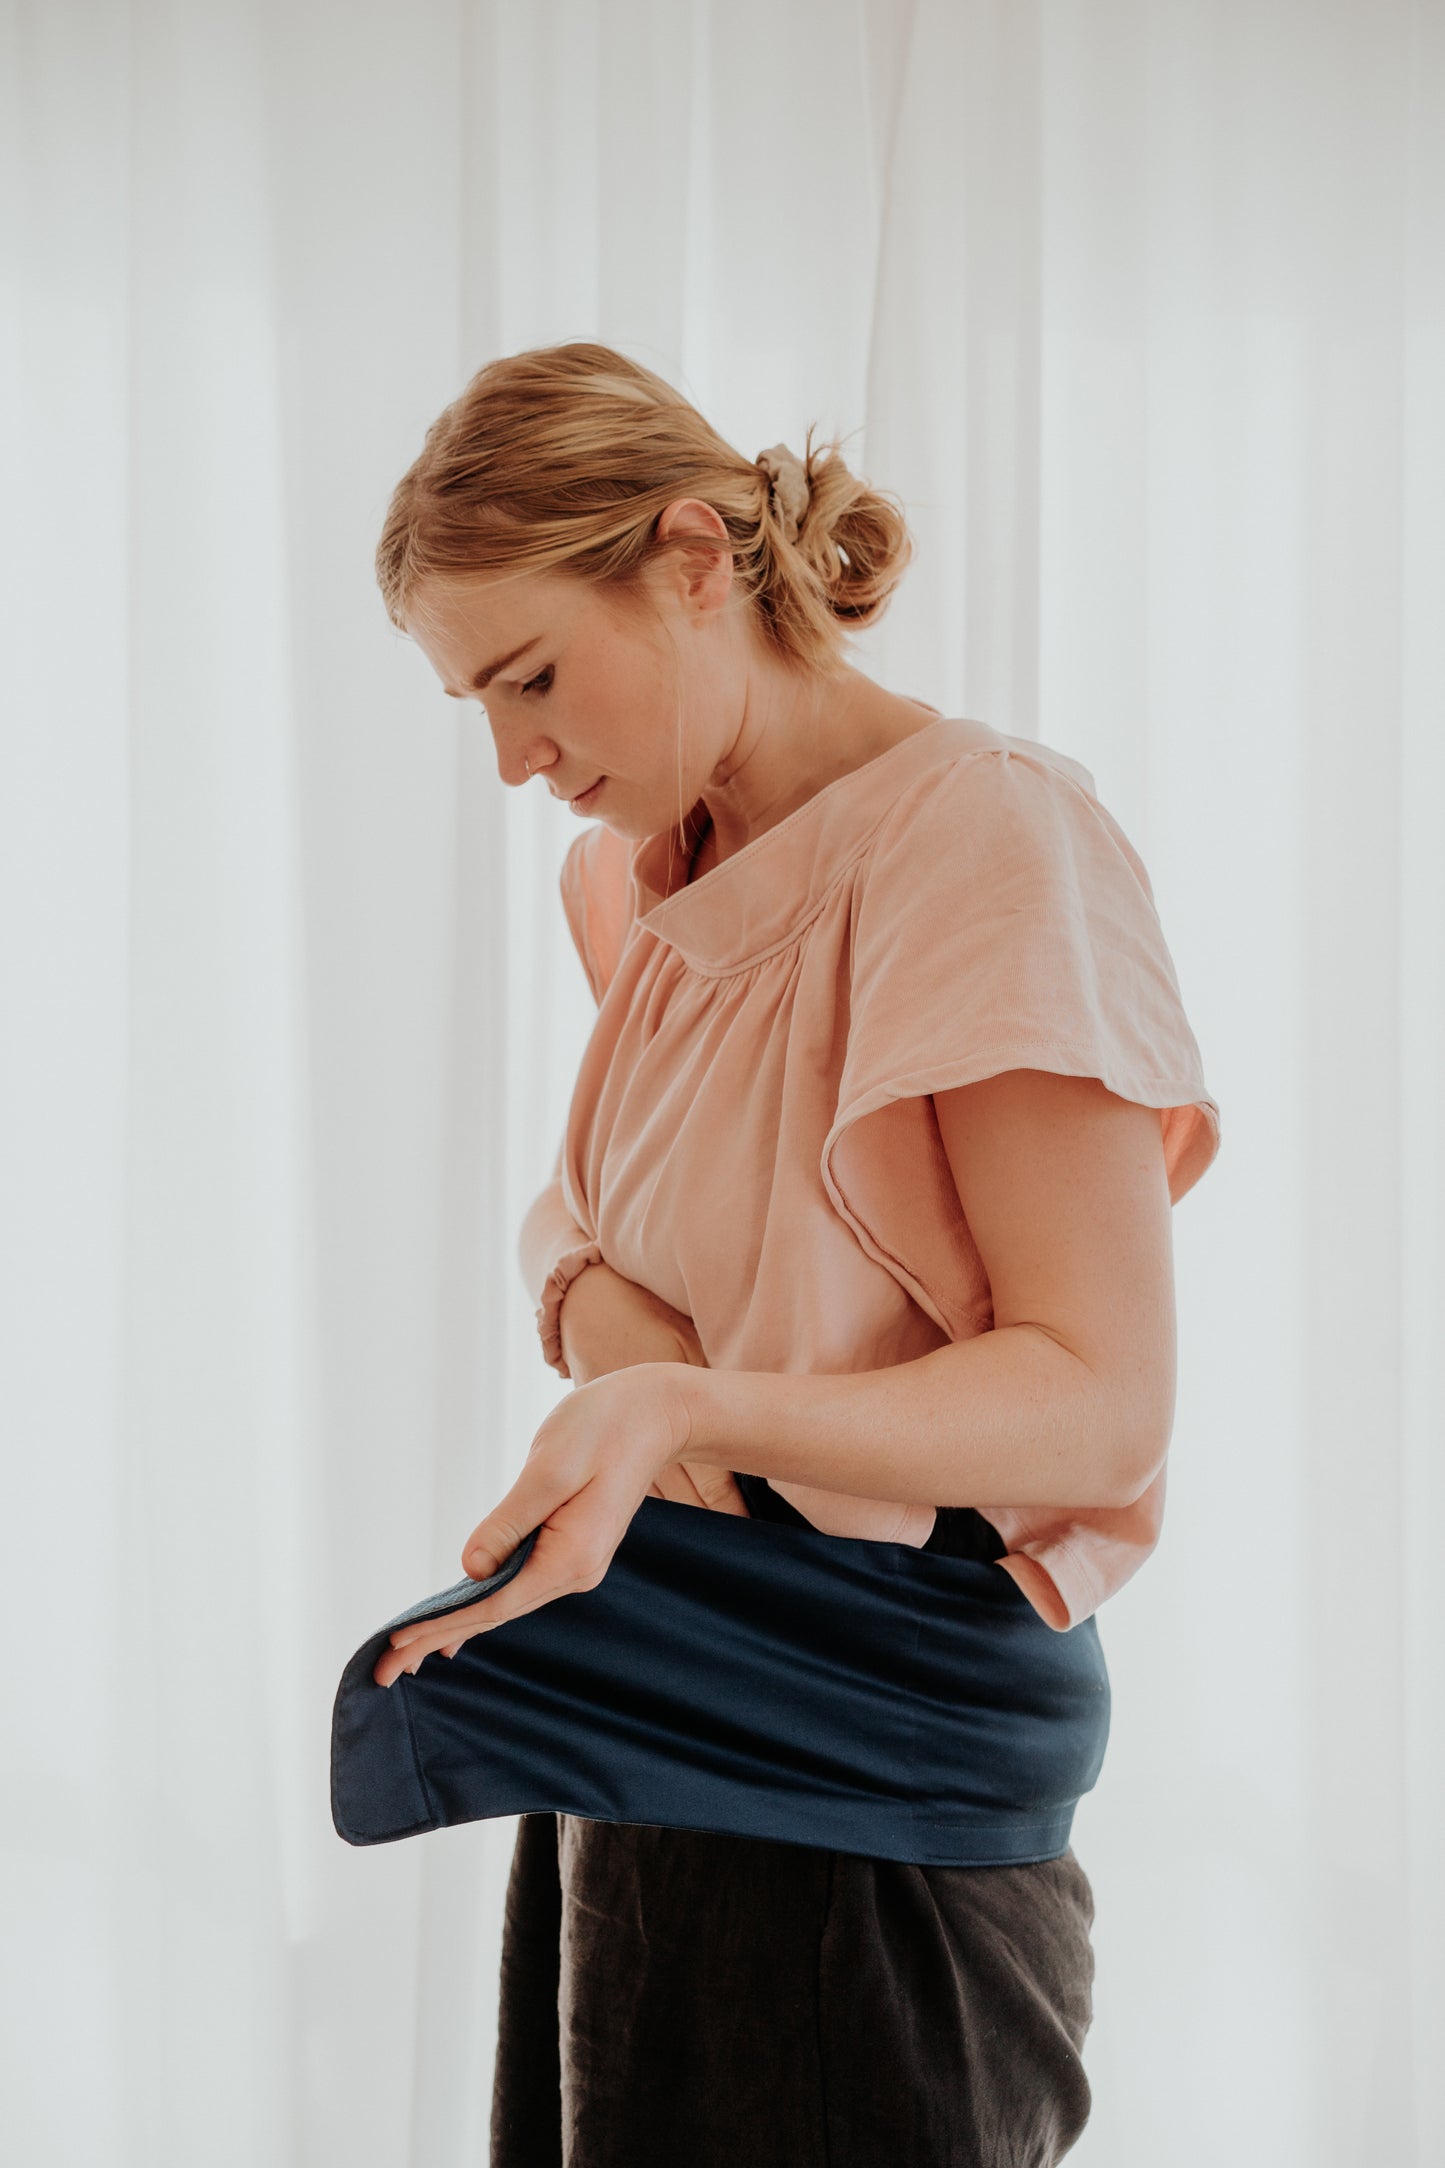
(744, 1677)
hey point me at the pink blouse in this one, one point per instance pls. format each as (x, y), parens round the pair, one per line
(752, 1133)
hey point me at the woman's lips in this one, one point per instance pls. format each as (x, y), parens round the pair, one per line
(584, 798)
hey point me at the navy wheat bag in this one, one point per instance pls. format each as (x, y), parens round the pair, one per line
(748, 1678)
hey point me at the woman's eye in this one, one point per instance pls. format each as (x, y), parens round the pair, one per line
(537, 680)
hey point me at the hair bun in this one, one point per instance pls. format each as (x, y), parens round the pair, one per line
(564, 458)
(789, 486)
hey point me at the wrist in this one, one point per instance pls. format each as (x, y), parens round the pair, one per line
(703, 1395)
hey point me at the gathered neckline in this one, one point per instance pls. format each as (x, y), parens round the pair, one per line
(864, 767)
(759, 898)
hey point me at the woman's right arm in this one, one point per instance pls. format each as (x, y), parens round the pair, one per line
(609, 1322)
(552, 1250)
(593, 1320)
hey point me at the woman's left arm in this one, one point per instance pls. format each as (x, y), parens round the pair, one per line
(1069, 1400)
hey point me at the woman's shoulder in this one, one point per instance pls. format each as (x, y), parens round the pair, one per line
(986, 806)
(963, 754)
(598, 897)
(1005, 920)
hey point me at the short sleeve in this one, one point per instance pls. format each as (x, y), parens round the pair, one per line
(1004, 921)
(596, 886)
(597, 896)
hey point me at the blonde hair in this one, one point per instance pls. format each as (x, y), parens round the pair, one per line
(563, 457)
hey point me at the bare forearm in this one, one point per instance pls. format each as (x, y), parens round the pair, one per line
(1011, 1416)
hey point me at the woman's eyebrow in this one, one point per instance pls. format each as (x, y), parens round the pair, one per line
(484, 676)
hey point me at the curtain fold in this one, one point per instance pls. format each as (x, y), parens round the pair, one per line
(1142, 314)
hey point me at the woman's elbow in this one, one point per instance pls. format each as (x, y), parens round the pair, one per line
(1147, 1449)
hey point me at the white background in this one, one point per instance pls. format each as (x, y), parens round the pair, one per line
(1140, 308)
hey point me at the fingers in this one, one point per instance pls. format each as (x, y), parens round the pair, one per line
(675, 1483)
(693, 1484)
(560, 1565)
(718, 1490)
(575, 1544)
(491, 1543)
(590, 1464)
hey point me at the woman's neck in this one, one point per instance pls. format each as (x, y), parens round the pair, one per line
(705, 856)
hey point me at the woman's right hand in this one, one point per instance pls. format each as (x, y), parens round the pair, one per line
(608, 1322)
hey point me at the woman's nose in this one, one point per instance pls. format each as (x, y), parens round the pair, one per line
(519, 763)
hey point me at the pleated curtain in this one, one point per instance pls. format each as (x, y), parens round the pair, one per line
(1141, 311)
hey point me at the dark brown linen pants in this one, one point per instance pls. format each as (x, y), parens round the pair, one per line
(675, 1998)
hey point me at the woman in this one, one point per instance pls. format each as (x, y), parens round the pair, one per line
(862, 1217)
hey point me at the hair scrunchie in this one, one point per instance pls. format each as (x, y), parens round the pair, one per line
(789, 486)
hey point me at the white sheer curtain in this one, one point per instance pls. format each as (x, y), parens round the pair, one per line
(1140, 309)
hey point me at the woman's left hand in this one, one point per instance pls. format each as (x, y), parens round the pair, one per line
(597, 1455)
